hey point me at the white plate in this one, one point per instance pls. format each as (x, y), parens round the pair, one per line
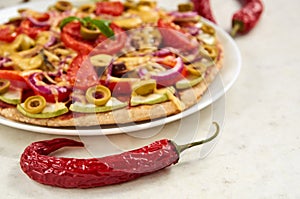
(228, 75)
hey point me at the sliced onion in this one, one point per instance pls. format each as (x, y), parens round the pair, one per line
(177, 14)
(163, 52)
(4, 60)
(166, 78)
(51, 41)
(142, 72)
(193, 30)
(44, 89)
(37, 22)
(109, 72)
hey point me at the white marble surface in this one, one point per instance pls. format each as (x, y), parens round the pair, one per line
(258, 153)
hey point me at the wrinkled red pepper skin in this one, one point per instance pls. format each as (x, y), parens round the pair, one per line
(94, 172)
(203, 8)
(248, 16)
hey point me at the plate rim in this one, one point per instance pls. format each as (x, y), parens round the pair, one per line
(126, 129)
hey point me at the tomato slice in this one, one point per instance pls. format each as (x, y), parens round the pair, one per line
(111, 45)
(7, 34)
(174, 37)
(110, 8)
(15, 78)
(75, 44)
(119, 88)
(81, 73)
(72, 38)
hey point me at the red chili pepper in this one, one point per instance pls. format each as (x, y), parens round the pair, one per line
(246, 18)
(95, 172)
(203, 9)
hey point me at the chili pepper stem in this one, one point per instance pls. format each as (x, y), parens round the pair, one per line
(235, 29)
(181, 148)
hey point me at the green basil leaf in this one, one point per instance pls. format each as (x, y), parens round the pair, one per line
(67, 20)
(102, 25)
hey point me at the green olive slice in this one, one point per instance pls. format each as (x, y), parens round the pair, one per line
(101, 60)
(197, 68)
(89, 34)
(86, 8)
(4, 85)
(208, 29)
(144, 87)
(210, 51)
(63, 5)
(98, 95)
(35, 104)
(185, 7)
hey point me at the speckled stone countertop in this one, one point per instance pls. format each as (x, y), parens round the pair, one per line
(258, 153)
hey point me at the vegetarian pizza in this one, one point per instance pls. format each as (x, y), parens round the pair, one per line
(107, 62)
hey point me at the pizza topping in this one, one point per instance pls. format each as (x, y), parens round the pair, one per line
(5, 62)
(51, 110)
(196, 68)
(12, 96)
(36, 22)
(120, 86)
(185, 7)
(101, 60)
(81, 73)
(179, 105)
(4, 85)
(111, 104)
(145, 38)
(209, 50)
(208, 29)
(109, 8)
(7, 33)
(153, 98)
(102, 25)
(92, 27)
(47, 39)
(185, 16)
(173, 36)
(98, 95)
(148, 3)
(63, 6)
(30, 63)
(189, 82)
(15, 78)
(147, 13)
(169, 77)
(89, 33)
(22, 42)
(144, 87)
(35, 104)
(128, 23)
(34, 26)
(72, 38)
(41, 85)
(86, 8)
